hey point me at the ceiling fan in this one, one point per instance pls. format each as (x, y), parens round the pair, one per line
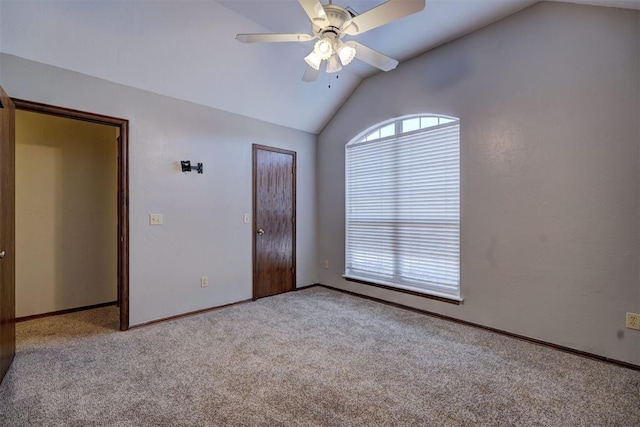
(330, 23)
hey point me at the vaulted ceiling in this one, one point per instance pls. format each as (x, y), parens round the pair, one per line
(187, 49)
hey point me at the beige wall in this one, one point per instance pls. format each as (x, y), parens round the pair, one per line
(66, 213)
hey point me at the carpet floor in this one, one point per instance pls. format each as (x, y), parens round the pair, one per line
(310, 358)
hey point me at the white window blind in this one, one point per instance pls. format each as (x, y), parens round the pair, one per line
(403, 209)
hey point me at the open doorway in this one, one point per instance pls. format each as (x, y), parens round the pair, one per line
(71, 211)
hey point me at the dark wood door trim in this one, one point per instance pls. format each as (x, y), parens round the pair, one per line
(254, 225)
(123, 188)
(7, 234)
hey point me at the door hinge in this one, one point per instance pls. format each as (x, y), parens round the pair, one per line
(293, 220)
(293, 170)
(293, 271)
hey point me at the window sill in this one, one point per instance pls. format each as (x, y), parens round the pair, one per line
(447, 299)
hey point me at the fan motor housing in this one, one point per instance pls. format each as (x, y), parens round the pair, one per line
(337, 16)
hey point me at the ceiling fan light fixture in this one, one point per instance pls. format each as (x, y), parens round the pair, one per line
(313, 60)
(330, 23)
(346, 52)
(323, 48)
(333, 65)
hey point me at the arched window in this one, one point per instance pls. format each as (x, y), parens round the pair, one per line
(403, 205)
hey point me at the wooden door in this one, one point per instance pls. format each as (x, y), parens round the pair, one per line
(274, 216)
(7, 234)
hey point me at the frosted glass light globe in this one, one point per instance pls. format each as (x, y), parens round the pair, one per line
(323, 48)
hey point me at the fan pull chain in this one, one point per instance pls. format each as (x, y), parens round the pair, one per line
(337, 77)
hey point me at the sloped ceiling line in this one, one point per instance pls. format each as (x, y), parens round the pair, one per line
(187, 50)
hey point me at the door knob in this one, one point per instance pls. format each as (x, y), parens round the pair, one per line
(2, 254)
(260, 231)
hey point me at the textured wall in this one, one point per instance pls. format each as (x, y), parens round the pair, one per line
(549, 105)
(66, 213)
(203, 231)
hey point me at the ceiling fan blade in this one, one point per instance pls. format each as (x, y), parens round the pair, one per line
(315, 12)
(310, 74)
(373, 57)
(273, 38)
(383, 14)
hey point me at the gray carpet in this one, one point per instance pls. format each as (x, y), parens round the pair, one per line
(310, 358)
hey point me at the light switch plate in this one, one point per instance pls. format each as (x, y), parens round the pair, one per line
(155, 219)
(246, 218)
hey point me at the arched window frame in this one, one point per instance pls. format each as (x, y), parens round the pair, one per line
(441, 277)
(399, 123)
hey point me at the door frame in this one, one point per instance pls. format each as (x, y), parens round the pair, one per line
(123, 187)
(7, 234)
(255, 148)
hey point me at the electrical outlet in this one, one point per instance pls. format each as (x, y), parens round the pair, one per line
(325, 264)
(204, 281)
(633, 321)
(155, 219)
